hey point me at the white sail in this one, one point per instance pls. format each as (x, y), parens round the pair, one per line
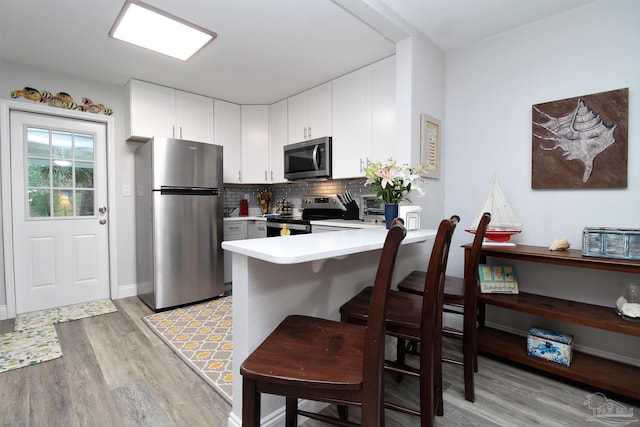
(502, 217)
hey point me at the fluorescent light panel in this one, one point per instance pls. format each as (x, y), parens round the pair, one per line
(154, 29)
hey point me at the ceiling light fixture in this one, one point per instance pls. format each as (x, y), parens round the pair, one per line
(149, 27)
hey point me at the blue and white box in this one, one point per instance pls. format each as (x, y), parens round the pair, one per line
(550, 346)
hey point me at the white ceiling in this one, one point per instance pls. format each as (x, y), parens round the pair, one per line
(266, 50)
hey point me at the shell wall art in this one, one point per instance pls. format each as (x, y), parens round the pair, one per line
(581, 142)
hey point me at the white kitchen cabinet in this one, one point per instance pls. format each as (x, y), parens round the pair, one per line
(364, 125)
(349, 143)
(154, 110)
(257, 229)
(255, 144)
(228, 133)
(240, 230)
(310, 114)
(233, 230)
(194, 117)
(278, 137)
(382, 99)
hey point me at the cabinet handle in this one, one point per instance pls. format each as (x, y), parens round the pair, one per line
(240, 176)
(180, 132)
(271, 176)
(305, 132)
(361, 166)
(265, 175)
(309, 132)
(173, 131)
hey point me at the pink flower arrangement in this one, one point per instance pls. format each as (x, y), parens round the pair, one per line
(392, 182)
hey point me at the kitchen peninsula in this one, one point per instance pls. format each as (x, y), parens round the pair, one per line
(310, 274)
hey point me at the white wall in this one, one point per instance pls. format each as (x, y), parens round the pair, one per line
(491, 86)
(14, 76)
(420, 88)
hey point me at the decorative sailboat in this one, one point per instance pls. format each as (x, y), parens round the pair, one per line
(503, 223)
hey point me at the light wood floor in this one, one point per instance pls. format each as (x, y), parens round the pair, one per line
(117, 372)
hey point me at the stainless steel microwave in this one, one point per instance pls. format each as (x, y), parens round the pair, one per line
(308, 160)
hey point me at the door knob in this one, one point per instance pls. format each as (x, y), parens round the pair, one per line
(102, 221)
(102, 209)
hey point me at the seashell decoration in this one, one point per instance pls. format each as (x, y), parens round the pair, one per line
(581, 135)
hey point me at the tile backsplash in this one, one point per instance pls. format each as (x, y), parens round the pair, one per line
(293, 191)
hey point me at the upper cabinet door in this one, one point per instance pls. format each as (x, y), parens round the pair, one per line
(382, 95)
(278, 138)
(349, 145)
(310, 114)
(298, 117)
(255, 144)
(194, 117)
(151, 111)
(228, 134)
(320, 111)
(364, 118)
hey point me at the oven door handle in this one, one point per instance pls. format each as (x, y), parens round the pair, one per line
(296, 227)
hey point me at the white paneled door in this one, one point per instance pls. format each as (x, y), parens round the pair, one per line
(59, 207)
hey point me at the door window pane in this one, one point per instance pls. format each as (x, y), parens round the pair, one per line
(85, 202)
(60, 173)
(38, 172)
(62, 203)
(61, 145)
(38, 143)
(84, 175)
(39, 203)
(84, 147)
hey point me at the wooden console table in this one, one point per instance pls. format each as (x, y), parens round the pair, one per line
(595, 371)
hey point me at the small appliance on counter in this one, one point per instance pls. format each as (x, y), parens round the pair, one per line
(411, 216)
(371, 208)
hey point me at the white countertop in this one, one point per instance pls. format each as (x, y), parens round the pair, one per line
(312, 247)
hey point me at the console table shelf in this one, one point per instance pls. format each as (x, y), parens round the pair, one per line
(604, 374)
(568, 311)
(592, 370)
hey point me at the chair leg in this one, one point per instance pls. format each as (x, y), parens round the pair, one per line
(291, 412)
(401, 351)
(250, 404)
(343, 412)
(469, 355)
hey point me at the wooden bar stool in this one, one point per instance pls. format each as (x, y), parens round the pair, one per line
(460, 293)
(324, 360)
(415, 318)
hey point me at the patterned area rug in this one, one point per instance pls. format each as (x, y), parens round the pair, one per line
(34, 339)
(201, 335)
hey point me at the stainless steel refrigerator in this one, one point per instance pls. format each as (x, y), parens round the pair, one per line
(179, 206)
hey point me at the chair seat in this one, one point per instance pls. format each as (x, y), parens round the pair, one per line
(453, 287)
(404, 312)
(311, 353)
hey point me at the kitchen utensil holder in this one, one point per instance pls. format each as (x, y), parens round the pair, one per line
(352, 212)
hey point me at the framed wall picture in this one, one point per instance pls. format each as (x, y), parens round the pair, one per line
(581, 142)
(430, 145)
